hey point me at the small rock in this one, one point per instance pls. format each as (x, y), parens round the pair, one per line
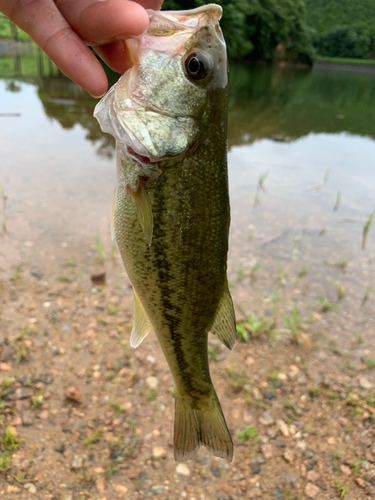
(289, 478)
(311, 490)
(313, 476)
(364, 383)
(272, 433)
(289, 456)
(98, 276)
(267, 450)
(331, 440)
(60, 448)
(309, 454)
(266, 418)
(268, 395)
(16, 421)
(283, 428)
(12, 489)
(6, 353)
(5, 367)
(30, 487)
(255, 467)
(216, 472)
(279, 443)
(183, 470)
(361, 483)
(156, 490)
(159, 452)
(347, 471)
(101, 484)
(73, 394)
(152, 382)
(77, 462)
(121, 489)
(27, 418)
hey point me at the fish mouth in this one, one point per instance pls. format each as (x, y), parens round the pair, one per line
(144, 160)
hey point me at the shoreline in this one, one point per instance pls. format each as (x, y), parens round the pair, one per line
(341, 66)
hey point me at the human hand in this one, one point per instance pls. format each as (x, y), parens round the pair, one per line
(64, 28)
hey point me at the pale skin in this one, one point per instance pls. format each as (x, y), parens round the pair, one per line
(65, 28)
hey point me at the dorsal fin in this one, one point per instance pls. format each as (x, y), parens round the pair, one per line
(224, 325)
(141, 323)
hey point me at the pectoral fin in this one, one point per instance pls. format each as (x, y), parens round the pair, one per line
(141, 324)
(224, 325)
(113, 216)
(142, 204)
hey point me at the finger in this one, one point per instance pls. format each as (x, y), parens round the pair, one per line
(115, 55)
(103, 22)
(44, 23)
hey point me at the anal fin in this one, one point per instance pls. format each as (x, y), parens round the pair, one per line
(144, 212)
(224, 324)
(141, 323)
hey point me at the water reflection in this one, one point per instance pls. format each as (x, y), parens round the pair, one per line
(312, 131)
(285, 103)
(278, 103)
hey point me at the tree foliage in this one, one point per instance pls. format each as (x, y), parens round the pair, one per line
(344, 28)
(344, 41)
(253, 29)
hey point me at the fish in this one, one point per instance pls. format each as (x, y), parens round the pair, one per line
(171, 212)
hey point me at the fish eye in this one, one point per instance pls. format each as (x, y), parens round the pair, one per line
(198, 65)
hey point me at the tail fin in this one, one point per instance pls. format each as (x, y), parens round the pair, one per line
(197, 426)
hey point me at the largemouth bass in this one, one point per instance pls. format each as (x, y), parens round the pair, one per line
(168, 114)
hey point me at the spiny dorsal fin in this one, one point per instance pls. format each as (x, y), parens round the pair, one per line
(224, 325)
(141, 324)
(113, 216)
(144, 212)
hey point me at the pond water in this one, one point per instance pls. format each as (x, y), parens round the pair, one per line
(302, 185)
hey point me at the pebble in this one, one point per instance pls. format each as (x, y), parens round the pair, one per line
(121, 489)
(30, 487)
(77, 462)
(12, 489)
(152, 382)
(279, 443)
(156, 490)
(311, 490)
(283, 428)
(289, 456)
(347, 471)
(183, 470)
(313, 476)
(73, 394)
(268, 395)
(6, 353)
(289, 478)
(216, 472)
(267, 450)
(159, 452)
(27, 418)
(266, 418)
(255, 467)
(364, 383)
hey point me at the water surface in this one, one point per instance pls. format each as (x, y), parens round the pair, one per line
(309, 134)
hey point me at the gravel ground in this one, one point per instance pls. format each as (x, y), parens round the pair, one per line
(83, 416)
